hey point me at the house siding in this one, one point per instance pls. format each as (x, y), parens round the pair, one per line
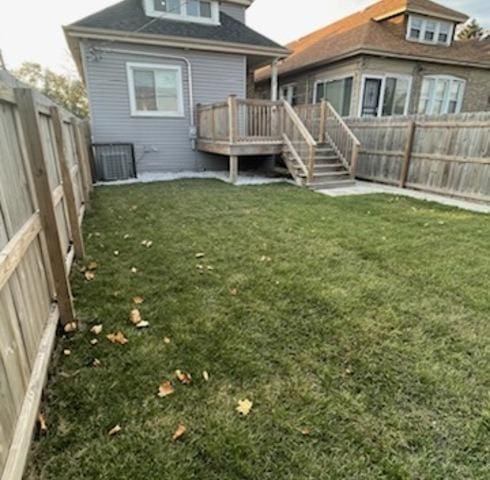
(476, 97)
(235, 11)
(161, 144)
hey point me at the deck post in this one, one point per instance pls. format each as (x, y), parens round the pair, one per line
(233, 169)
(274, 81)
(232, 118)
(323, 121)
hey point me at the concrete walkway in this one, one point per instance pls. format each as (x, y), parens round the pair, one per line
(367, 188)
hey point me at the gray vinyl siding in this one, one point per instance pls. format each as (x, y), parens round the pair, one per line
(235, 11)
(161, 144)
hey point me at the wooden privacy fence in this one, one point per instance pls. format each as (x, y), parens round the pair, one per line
(45, 183)
(448, 154)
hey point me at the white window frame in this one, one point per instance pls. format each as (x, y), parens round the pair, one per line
(183, 16)
(423, 29)
(130, 67)
(383, 78)
(447, 95)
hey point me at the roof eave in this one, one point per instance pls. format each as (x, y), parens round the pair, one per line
(244, 3)
(459, 18)
(193, 43)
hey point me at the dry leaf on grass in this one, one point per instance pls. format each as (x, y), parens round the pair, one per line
(179, 433)
(117, 338)
(138, 300)
(200, 255)
(92, 266)
(115, 430)
(116, 253)
(97, 329)
(135, 316)
(165, 389)
(166, 340)
(134, 270)
(183, 377)
(94, 342)
(244, 407)
(89, 275)
(147, 243)
(205, 375)
(67, 353)
(71, 327)
(43, 426)
(142, 325)
(96, 363)
(234, 292)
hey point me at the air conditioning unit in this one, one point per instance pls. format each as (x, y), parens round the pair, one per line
(116, 166)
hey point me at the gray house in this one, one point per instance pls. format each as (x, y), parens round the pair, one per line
(148, 64)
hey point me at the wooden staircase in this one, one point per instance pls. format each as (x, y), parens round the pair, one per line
(329, 161)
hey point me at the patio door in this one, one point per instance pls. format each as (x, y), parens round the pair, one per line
(371, 100)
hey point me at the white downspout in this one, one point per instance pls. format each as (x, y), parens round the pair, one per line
(172, 57)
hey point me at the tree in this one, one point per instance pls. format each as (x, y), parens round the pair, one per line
(66, 90)
(470, 31)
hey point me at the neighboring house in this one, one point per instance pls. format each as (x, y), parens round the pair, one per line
(394, 58)
(147, 64)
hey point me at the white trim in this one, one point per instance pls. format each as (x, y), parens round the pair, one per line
(431, 98)
(423, 29)
(130, 66)
(383, 78)
(184, 17)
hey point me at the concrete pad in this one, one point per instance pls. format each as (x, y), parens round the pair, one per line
(368, 188)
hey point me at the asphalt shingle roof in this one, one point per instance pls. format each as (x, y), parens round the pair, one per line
(129, 16)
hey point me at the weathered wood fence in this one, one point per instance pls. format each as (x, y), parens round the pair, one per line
(45, 183)
(448, 154)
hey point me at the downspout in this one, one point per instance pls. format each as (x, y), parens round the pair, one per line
(193, 133)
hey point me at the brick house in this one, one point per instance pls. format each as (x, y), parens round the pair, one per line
(394, 58)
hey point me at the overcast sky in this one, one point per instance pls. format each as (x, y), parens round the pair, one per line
(31, 29)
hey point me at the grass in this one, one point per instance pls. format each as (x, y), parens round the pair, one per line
(359, 330)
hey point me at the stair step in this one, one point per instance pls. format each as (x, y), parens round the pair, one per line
(327, 157)
(331, 174)
(329, 166)
(333, 184)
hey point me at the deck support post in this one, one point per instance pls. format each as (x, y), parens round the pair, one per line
(233, 169)
(274, 82)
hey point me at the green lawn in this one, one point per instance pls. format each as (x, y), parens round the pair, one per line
(359, 328)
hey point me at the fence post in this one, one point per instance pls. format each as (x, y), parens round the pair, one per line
(355, 159)
(68, 190)
(82, 160)
(407, 154)
(323, 121)
(34, 146)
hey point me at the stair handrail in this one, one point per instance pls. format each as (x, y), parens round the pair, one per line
(306, 137)
(348, 152)
(295, 154)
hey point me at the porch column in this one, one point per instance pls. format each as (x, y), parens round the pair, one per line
(233, 169)
(274, 81)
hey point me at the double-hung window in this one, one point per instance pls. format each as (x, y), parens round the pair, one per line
(200, 11)
(155, 90)
(338, 92)
(428, 30)
(441, 94)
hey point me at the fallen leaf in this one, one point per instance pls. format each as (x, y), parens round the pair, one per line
(165, 389)
(210, 268)
(116, 253)
(244, 407)
(200, 255)
(134, 270)
(115, 430)
(92, 266)
(67, 352)
(306, 431)
(117, 338)
(89, 275)
(127, 236)
(179, 433)
(149, 244)
(142, 325)
(96, 363)
(135, 316)
(205, 375)
(183, 377)
(138, 300)
(71, 327)
(234, 292)
(43, 427)
(94, 342)
(97, 329)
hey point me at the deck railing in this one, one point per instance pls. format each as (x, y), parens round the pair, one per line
(240, 121)
(299, 140)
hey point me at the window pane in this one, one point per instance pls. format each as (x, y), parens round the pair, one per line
(169, 6)
(144, 90)
(167, 90)
(444, 29)
(193, 8)
(416, 27)
(320, 92)
(425, 93)
(439, 96)
(347, 97)
(401, 96)
(454, 96)
(206, 9)
(333, 94)
(430, 31)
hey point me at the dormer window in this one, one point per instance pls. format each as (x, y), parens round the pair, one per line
(197, 11)
(428, 30)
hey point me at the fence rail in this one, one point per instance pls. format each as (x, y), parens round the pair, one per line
(448, 154)
(45, 183)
